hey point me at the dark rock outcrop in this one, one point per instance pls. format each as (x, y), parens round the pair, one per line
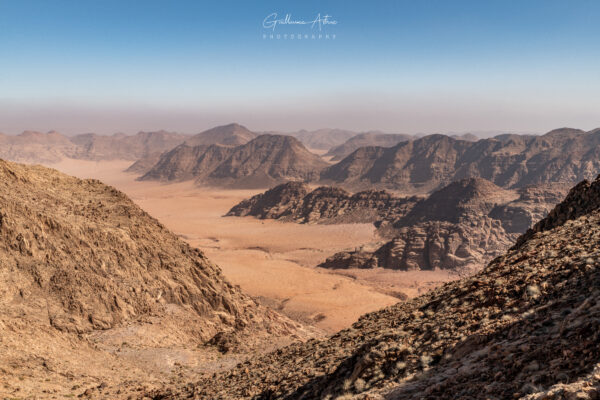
(294, 201)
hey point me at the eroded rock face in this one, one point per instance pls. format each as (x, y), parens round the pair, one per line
(461, 246)
(98, 261)
(527, 325)
(460, 227)
(562, 156)
(294, 201)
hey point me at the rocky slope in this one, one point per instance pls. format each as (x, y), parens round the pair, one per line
(366, 139)
(262, 162)
(527, 326)
(562, 156)
(36, 147)
(82, 267)
(293, 201)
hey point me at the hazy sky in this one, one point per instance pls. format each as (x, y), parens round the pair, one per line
(402, 66)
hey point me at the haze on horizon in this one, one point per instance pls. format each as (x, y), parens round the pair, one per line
(411, 67)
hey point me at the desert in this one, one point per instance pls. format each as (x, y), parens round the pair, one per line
(197, 206)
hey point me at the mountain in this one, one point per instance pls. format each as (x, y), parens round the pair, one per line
(467, 197)
(321, 139)
(124, 147)
(36, 147)
(227, 135)
(186, 162)
(527, 326)
(366, 139)
(92, 286)
(459, 227)
(512, 161)
(264, 161)
(293, 201)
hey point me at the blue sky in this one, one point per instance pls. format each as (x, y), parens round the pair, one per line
(401, 66)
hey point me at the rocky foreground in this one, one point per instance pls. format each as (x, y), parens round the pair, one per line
(92, 288)
(527, 326)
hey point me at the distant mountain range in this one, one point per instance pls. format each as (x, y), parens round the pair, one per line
(51, 147)
(510, 161)
(367, 139)
(401, 162)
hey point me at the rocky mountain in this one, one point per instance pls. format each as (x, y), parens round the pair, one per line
(36, 147)
(125, 147)
(511, 161)
(227, 135)
(83, 270)
(366, 139)
(294, 201)
(527, 326)
(459, 227)
(264, 161)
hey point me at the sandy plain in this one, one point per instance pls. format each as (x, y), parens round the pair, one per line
(270, 260)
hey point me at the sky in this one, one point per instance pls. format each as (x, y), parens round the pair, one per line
(422, 66)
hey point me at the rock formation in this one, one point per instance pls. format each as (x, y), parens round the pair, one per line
(459, 227)
(262, 162)
(293, 201)
(562, 156)
(367, 139)
(527, 326)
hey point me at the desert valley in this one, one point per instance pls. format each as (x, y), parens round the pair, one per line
(312, 264)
